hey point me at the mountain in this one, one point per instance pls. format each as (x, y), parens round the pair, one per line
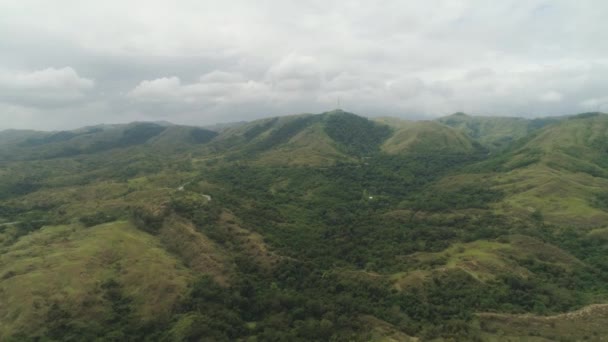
(558, 172)
(426, 137)
(338, 136)
(494, 133)
(327, 226)
(97, 139)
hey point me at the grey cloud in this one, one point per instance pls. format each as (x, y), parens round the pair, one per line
(48, 87)
(551, 96)
(72, 63)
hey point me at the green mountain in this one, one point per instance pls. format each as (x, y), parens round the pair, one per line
(495, 133)
(326, 227)
(558, 172)
(426, 137)
(307, 139)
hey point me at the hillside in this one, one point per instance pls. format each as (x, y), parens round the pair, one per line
(337, 136)
(426, 137)
(492, 132)
(325, 226)
(96, 139)
(72, 275)
(558, 172)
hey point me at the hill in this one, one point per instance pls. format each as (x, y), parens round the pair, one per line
(557, 172)
(426, 137)
(325, 226)
(337, 136)
(494, 132)
(69, 275)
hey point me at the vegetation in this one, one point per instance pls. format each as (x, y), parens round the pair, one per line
(354, 134)
(495, 133)
(324, 227)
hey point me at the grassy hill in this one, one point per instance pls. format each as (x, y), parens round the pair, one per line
(557, 173)
(86, 275)
(307, 227)
(494, 132)
(327, 138)
(426, 137)
(303, 140)
(585, 324)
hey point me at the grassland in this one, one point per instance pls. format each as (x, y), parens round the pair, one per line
(494, 133)
(587, 324)
(68, 265)
(483, 260)
(425, 137)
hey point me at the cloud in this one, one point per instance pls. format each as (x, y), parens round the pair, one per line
(50, 86)
(596, 103)
(204, 61)
(160, 89)
(406, 87)
(551, 96)
(47, 79)
(216, 87)
(295, 72)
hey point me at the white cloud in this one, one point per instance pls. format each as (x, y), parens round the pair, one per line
(211, 89)
(47, 79)
(47, 87)
(159, 89)
(270, 58)
(596, 103)
(551, 96)
(294, 72)
(406, 87)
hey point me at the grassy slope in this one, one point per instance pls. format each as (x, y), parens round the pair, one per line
(570, 172)
(67, 264)
(310, 147)
(557, 172)
(425, 137)
(302, 140)
(588, 323)
(296, 140)
(494, 133)
(484, 260)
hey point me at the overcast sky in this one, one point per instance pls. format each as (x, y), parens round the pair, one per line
(65, 64)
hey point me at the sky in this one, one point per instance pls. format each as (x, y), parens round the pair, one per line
(65, 64)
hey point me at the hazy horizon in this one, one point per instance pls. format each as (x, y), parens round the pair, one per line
(220, 123)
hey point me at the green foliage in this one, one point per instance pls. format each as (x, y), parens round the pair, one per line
(471, 196)
(386, 241)
(19, 187)
(137, 134)
(281, 134)
(147, 220)
(601, 201)
(584, 116)
(201, 135)
(96, 219)
(354, 134)
(52, 138)
(496, 133)
(259, 129)
(118, 324)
